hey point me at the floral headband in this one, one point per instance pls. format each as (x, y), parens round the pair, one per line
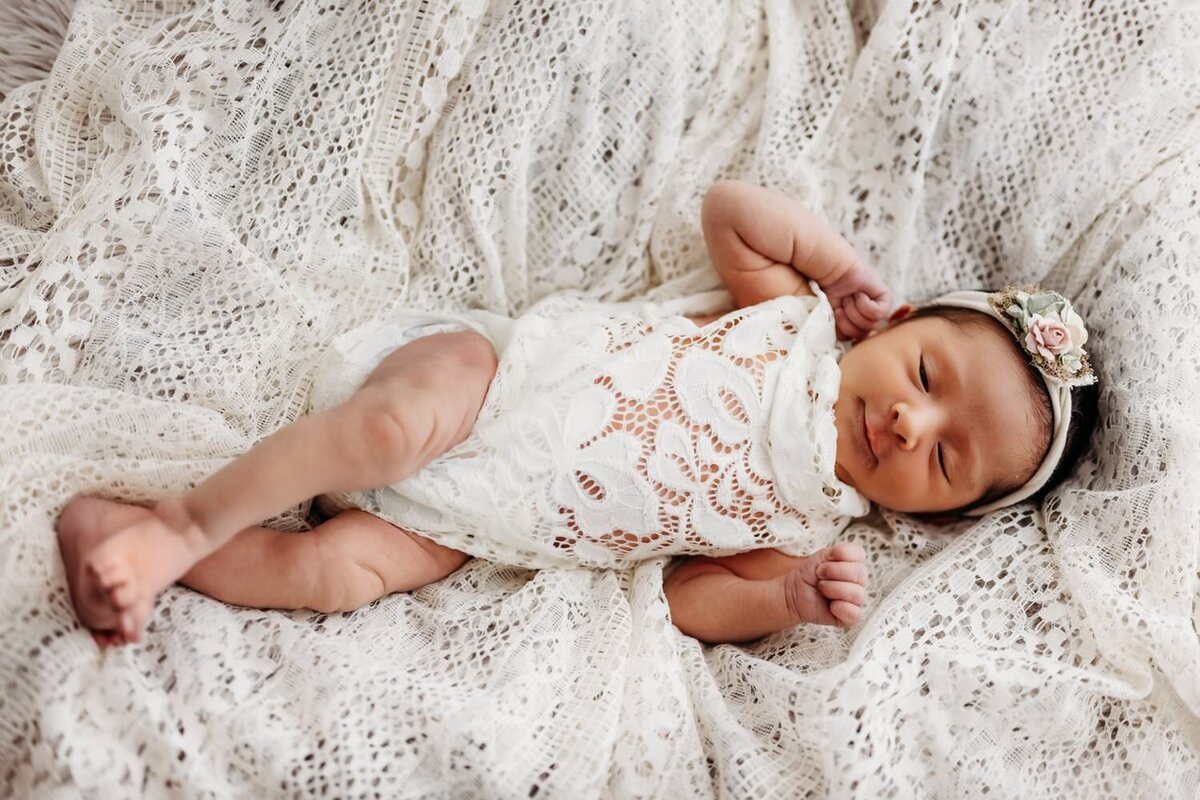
(1053, 335)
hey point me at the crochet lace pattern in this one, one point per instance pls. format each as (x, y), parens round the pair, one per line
(204, 194)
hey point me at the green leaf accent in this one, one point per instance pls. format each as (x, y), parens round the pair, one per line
(1038, 303)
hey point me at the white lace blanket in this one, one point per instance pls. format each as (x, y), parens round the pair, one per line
(201, 196)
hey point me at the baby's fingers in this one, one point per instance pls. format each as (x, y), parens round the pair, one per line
(847, 614)
(870, 308)
(845, 328)
(844, 551)
(853, 571)
(843, 590)
(864, 312)
(859, 321)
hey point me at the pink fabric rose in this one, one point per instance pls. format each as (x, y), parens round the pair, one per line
(1047, 336)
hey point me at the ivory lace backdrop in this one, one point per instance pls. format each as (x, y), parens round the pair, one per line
(202, 195)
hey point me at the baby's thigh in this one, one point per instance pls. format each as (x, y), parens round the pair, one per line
(363, 557)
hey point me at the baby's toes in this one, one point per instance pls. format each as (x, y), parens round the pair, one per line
(107, 639)
(142, 612)
(124, 594)
(118, 582)
(106, 570)
(133, 620)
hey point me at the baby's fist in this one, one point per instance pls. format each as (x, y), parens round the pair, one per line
(828, 587)
(842, 580)
(860, 301)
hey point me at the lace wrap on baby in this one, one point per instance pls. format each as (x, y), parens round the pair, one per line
(614, 433)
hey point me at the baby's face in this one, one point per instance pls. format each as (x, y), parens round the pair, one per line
(938, 441)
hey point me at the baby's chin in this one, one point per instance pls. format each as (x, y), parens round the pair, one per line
(845, 477)
(842, 475)
(843, 453)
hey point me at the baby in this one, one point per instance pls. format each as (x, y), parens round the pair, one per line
(599, 434)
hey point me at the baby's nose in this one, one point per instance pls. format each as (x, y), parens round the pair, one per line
(910, 424)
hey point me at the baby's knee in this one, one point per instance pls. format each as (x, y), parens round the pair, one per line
(421, 402)
(458, 364)
(474, 354)
(458, 381)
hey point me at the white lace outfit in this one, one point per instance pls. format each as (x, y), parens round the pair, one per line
(616, 432)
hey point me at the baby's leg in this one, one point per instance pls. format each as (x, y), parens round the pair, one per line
(420, 401)
(342, 564)
(743, 597)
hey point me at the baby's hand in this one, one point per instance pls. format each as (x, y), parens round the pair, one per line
(828, 587)
(860, 301)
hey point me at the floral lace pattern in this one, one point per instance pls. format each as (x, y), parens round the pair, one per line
(616, 433)
(204, 194)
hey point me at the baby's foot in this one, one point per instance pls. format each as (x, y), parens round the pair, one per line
(829, 587)
(82, 525)
(117, 575)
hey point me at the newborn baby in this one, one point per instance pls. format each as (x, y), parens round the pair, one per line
(600, 434)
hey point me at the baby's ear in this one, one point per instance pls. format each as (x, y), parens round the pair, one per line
(902, 311)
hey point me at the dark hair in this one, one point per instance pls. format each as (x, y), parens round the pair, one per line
(1084, 406)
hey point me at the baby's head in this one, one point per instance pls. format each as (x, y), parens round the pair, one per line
(947, 411)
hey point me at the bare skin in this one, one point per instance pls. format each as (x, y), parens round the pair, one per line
(355, 558)
(420, 401)
(342, 564)
(120, 556)
(82, 526)
(749, 595)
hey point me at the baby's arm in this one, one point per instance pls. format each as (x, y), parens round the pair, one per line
(764, 244)
(749, 595)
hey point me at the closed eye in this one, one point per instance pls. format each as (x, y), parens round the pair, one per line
(925, 386)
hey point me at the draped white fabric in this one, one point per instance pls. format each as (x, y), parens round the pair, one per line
(203, 194)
